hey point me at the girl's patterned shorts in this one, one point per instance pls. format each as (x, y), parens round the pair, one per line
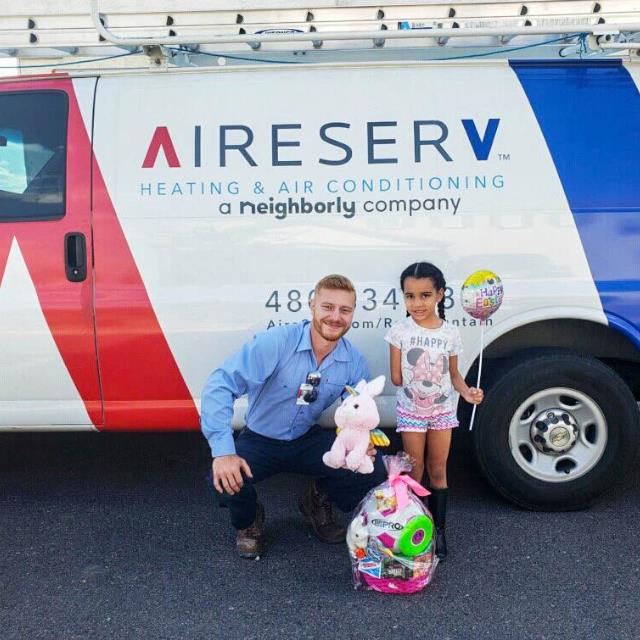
(408, 421)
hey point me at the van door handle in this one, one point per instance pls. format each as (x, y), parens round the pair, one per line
(75, 257)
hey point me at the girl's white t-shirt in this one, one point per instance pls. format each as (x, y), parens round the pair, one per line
(426, 384)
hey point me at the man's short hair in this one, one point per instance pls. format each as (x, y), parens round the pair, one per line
(335, 281)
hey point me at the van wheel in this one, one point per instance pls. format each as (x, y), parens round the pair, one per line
(555, 431)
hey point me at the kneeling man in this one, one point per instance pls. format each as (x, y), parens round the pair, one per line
(290, 374)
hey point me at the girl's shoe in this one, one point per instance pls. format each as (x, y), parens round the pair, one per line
(441, 544)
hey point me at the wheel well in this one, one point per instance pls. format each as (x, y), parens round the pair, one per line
(577, 336)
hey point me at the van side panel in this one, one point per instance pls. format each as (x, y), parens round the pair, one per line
(195, 164)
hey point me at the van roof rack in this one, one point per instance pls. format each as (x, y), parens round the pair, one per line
(204, 32)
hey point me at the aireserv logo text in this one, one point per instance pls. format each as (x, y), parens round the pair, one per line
(340, 141)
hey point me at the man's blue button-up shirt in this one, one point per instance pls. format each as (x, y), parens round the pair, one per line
(270, 370)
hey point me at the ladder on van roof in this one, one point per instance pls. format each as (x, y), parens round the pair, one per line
(210, 32)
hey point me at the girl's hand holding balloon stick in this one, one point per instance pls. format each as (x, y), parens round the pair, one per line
(475, 395)
(481, 296)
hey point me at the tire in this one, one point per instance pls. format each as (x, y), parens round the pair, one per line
(556, 431)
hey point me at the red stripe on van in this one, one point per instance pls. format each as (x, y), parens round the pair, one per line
(5, 247)
(141, 382)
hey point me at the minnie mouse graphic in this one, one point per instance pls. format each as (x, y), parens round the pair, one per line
(425, 382)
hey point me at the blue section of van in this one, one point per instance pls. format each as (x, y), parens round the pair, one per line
(589, 115)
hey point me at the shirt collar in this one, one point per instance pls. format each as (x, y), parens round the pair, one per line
(339, 354)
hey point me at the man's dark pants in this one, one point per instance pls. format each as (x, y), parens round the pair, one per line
(267, 456)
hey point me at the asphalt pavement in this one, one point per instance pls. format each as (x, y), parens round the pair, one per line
(116, 536)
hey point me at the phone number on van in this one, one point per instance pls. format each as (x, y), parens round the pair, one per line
(369, 299)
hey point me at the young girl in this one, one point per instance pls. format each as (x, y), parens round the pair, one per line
(424, 353)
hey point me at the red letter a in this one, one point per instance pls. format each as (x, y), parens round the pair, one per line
(161, 138)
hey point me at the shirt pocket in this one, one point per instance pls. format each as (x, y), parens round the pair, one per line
(329, 392)
(288, 390)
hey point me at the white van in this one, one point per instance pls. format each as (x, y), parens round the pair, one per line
(151, 223)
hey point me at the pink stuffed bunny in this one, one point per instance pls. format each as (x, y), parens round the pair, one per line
(355, 417)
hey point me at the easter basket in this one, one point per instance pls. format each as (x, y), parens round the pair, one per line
(391, 538)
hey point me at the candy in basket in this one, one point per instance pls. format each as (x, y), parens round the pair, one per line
(390, 539)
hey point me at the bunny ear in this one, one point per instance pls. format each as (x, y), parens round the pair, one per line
(361, 386)
(375, 387)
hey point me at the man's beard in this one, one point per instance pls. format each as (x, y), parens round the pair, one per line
(321, 328)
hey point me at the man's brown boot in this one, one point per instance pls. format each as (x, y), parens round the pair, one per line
(250, 541)
(316, 509)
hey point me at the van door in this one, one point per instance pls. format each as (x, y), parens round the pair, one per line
(142, 384)
(48, 358)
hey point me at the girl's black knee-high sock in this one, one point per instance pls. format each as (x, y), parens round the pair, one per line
(438, 507)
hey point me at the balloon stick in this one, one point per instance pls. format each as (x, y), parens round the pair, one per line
(475, 406)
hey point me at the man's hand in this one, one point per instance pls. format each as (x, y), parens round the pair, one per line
(227, 473)
(371, 451)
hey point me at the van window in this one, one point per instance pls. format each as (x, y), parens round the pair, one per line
(33, 135)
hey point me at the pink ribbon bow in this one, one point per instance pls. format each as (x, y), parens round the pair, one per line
(400, 483)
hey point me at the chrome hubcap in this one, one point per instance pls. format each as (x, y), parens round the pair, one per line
(557, 434)
(554, 431)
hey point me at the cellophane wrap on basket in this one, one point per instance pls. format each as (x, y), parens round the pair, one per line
(391, 538)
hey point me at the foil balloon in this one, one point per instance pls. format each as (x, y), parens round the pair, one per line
(481, 294)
